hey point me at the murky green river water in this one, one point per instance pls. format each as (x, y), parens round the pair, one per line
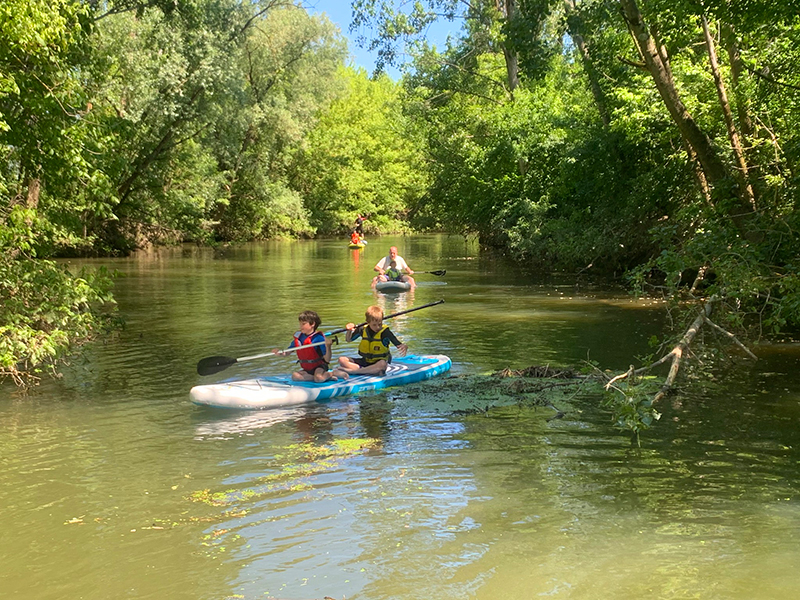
(113, 485)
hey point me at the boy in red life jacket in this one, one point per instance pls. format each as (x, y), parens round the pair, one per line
(313, 361)
(374, 347)
(355, 238)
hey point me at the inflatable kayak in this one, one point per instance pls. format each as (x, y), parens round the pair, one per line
(274, 392)
(392, 286)
(355, 246)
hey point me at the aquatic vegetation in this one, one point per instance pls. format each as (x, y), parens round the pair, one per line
(632, 405)
(532, 387)
(299, 462)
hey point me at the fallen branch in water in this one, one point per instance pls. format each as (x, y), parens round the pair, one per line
(732, 338)
(675, 356)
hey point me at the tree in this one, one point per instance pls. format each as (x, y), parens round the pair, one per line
(157, 79)
(361, 158)
(289, 77)
(662, 181)
(715, 173)
(45, 181)
(491, 25)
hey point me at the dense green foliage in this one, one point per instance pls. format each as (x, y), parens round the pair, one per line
(655, 139)
(139, 122)
(361, 158)
(554, 136)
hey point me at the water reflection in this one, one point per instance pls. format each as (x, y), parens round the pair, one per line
(165, 499)
(394, 303)
(355, 253)
(221, 424)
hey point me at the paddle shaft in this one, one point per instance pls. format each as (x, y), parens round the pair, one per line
(215, 364)
(397, 314)
(438, 273)
(335, 331)
(280, 352)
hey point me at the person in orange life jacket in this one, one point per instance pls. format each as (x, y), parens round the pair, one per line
(313, 361)
(400, 263)
(374, 347)
(355, 238)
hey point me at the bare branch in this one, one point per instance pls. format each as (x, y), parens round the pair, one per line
(732, 337)
(762, 74)
(675, 356)
(631, 63)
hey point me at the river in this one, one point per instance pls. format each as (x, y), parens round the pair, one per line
(114, 485)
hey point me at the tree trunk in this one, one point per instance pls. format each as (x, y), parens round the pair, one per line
(34, 190)
(512, 68)
(746, 124)
(716, 174)
(735, 59)
(508, 9)
(743, 177)
(699, 174)
(588, 66)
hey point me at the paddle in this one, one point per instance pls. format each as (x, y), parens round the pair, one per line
(215, 364)
(437, 273)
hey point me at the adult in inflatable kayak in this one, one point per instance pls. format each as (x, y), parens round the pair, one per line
(385, 264)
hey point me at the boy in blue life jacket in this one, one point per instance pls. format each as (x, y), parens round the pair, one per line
(314, 361)
(373, 350)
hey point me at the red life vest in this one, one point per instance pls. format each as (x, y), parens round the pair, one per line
(309, 358)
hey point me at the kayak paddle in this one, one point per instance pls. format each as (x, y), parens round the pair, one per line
(437, 273)
(215, 364)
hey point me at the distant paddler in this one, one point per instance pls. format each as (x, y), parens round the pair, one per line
(385, 263)
(356, 239)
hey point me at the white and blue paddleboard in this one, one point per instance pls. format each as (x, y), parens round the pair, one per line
(274, 392)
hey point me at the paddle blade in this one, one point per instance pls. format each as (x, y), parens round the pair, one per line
(214, 364)
(438, 273)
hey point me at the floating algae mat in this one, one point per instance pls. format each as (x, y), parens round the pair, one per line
(532, 387)
(299, 463)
